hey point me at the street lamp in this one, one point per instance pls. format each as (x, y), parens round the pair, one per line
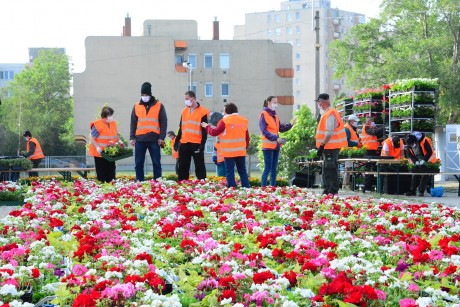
(188, 65)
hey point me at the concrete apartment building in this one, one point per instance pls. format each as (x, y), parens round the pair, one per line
(171, 57)
(294, 24)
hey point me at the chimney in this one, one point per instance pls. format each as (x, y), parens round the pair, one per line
(127, 26)
(215, 29)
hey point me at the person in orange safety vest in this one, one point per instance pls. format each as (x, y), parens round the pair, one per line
(148, 131)
(420, 150)
(192, 138)
(330, 137)
(103, 133)
(370, 135)
(234, 140)
(393, 146)
(33, 152)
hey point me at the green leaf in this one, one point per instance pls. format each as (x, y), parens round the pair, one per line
(343, 304)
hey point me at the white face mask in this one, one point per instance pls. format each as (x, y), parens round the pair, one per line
(274, 106)
(372, 124)
(355, 124)
(145, 98)
(415, 145)
(188, 103)
(321, 111)
(110, 119)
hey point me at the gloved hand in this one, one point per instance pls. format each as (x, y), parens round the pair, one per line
(319, 153)
(99, 149)
(421, 162)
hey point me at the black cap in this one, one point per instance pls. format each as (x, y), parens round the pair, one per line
(323, 96)
(410, 140)
(27, 133)
(146, 89)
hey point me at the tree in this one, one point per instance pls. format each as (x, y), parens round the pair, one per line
(409, 39)
(41, 102)
(253, 148)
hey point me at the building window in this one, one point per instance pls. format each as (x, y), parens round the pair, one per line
(297, 68)
(269, 18)
(269, 32)
(297, 15)
(208, 60)
(297, 94)
(208, 89)
(224, 89)
(297, 42)
(297, 81)
(179, 58)
(297, 29)
(297, 55)
(224, 61)
(278, 31)
(192, 60)
(288, 17)
(288, 30)
(277, 18)
(194, 88)
(1, 75)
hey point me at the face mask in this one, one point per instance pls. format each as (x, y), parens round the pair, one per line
(110, 119)
(26, 139)
(145, 98)
(321, 111)
(274, 106)
(413, 146)
(355, 124)
(372, 124)
(188, 102)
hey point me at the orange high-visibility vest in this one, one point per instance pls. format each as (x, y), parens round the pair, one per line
(370, 141)
(38, 153)
(147, 122)
(191, 124)
(432, 158)
(220, 156)
(394, 152)
(106, 136)
(174, 153)
(273, 126)
(338, 138)
(353, 135)
(233, 139)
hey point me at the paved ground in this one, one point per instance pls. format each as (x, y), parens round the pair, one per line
(450, 199)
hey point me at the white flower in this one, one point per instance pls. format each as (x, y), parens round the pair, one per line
(289, 304)
(9, 290)
(305, 292)
(225, 301)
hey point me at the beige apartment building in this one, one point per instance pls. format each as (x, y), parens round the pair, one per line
(294, 24)
(171, 57)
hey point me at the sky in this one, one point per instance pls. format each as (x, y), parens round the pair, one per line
(66, 23)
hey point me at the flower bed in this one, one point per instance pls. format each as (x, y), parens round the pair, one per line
(122, 244)
(11, 194)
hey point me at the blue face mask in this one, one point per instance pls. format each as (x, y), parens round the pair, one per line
(145, 98)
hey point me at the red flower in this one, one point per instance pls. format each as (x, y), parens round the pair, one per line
(291, 276)
(35, 273)
(86, 299)
(144, 256)
(260, 278)
(451, 269)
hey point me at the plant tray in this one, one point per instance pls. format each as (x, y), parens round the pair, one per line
(424, 170)
(11, 203)
(113, 159)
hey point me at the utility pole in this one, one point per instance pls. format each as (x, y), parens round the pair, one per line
(317, 46)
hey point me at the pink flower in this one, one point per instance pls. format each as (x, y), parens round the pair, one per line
(381, 295)
(413, 288)
(407, 302)
(79, 270)
(225, 268)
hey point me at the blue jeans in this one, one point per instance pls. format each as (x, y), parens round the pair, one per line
(271, 166)
(240, 163)
(221, 169)
(139, 158)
